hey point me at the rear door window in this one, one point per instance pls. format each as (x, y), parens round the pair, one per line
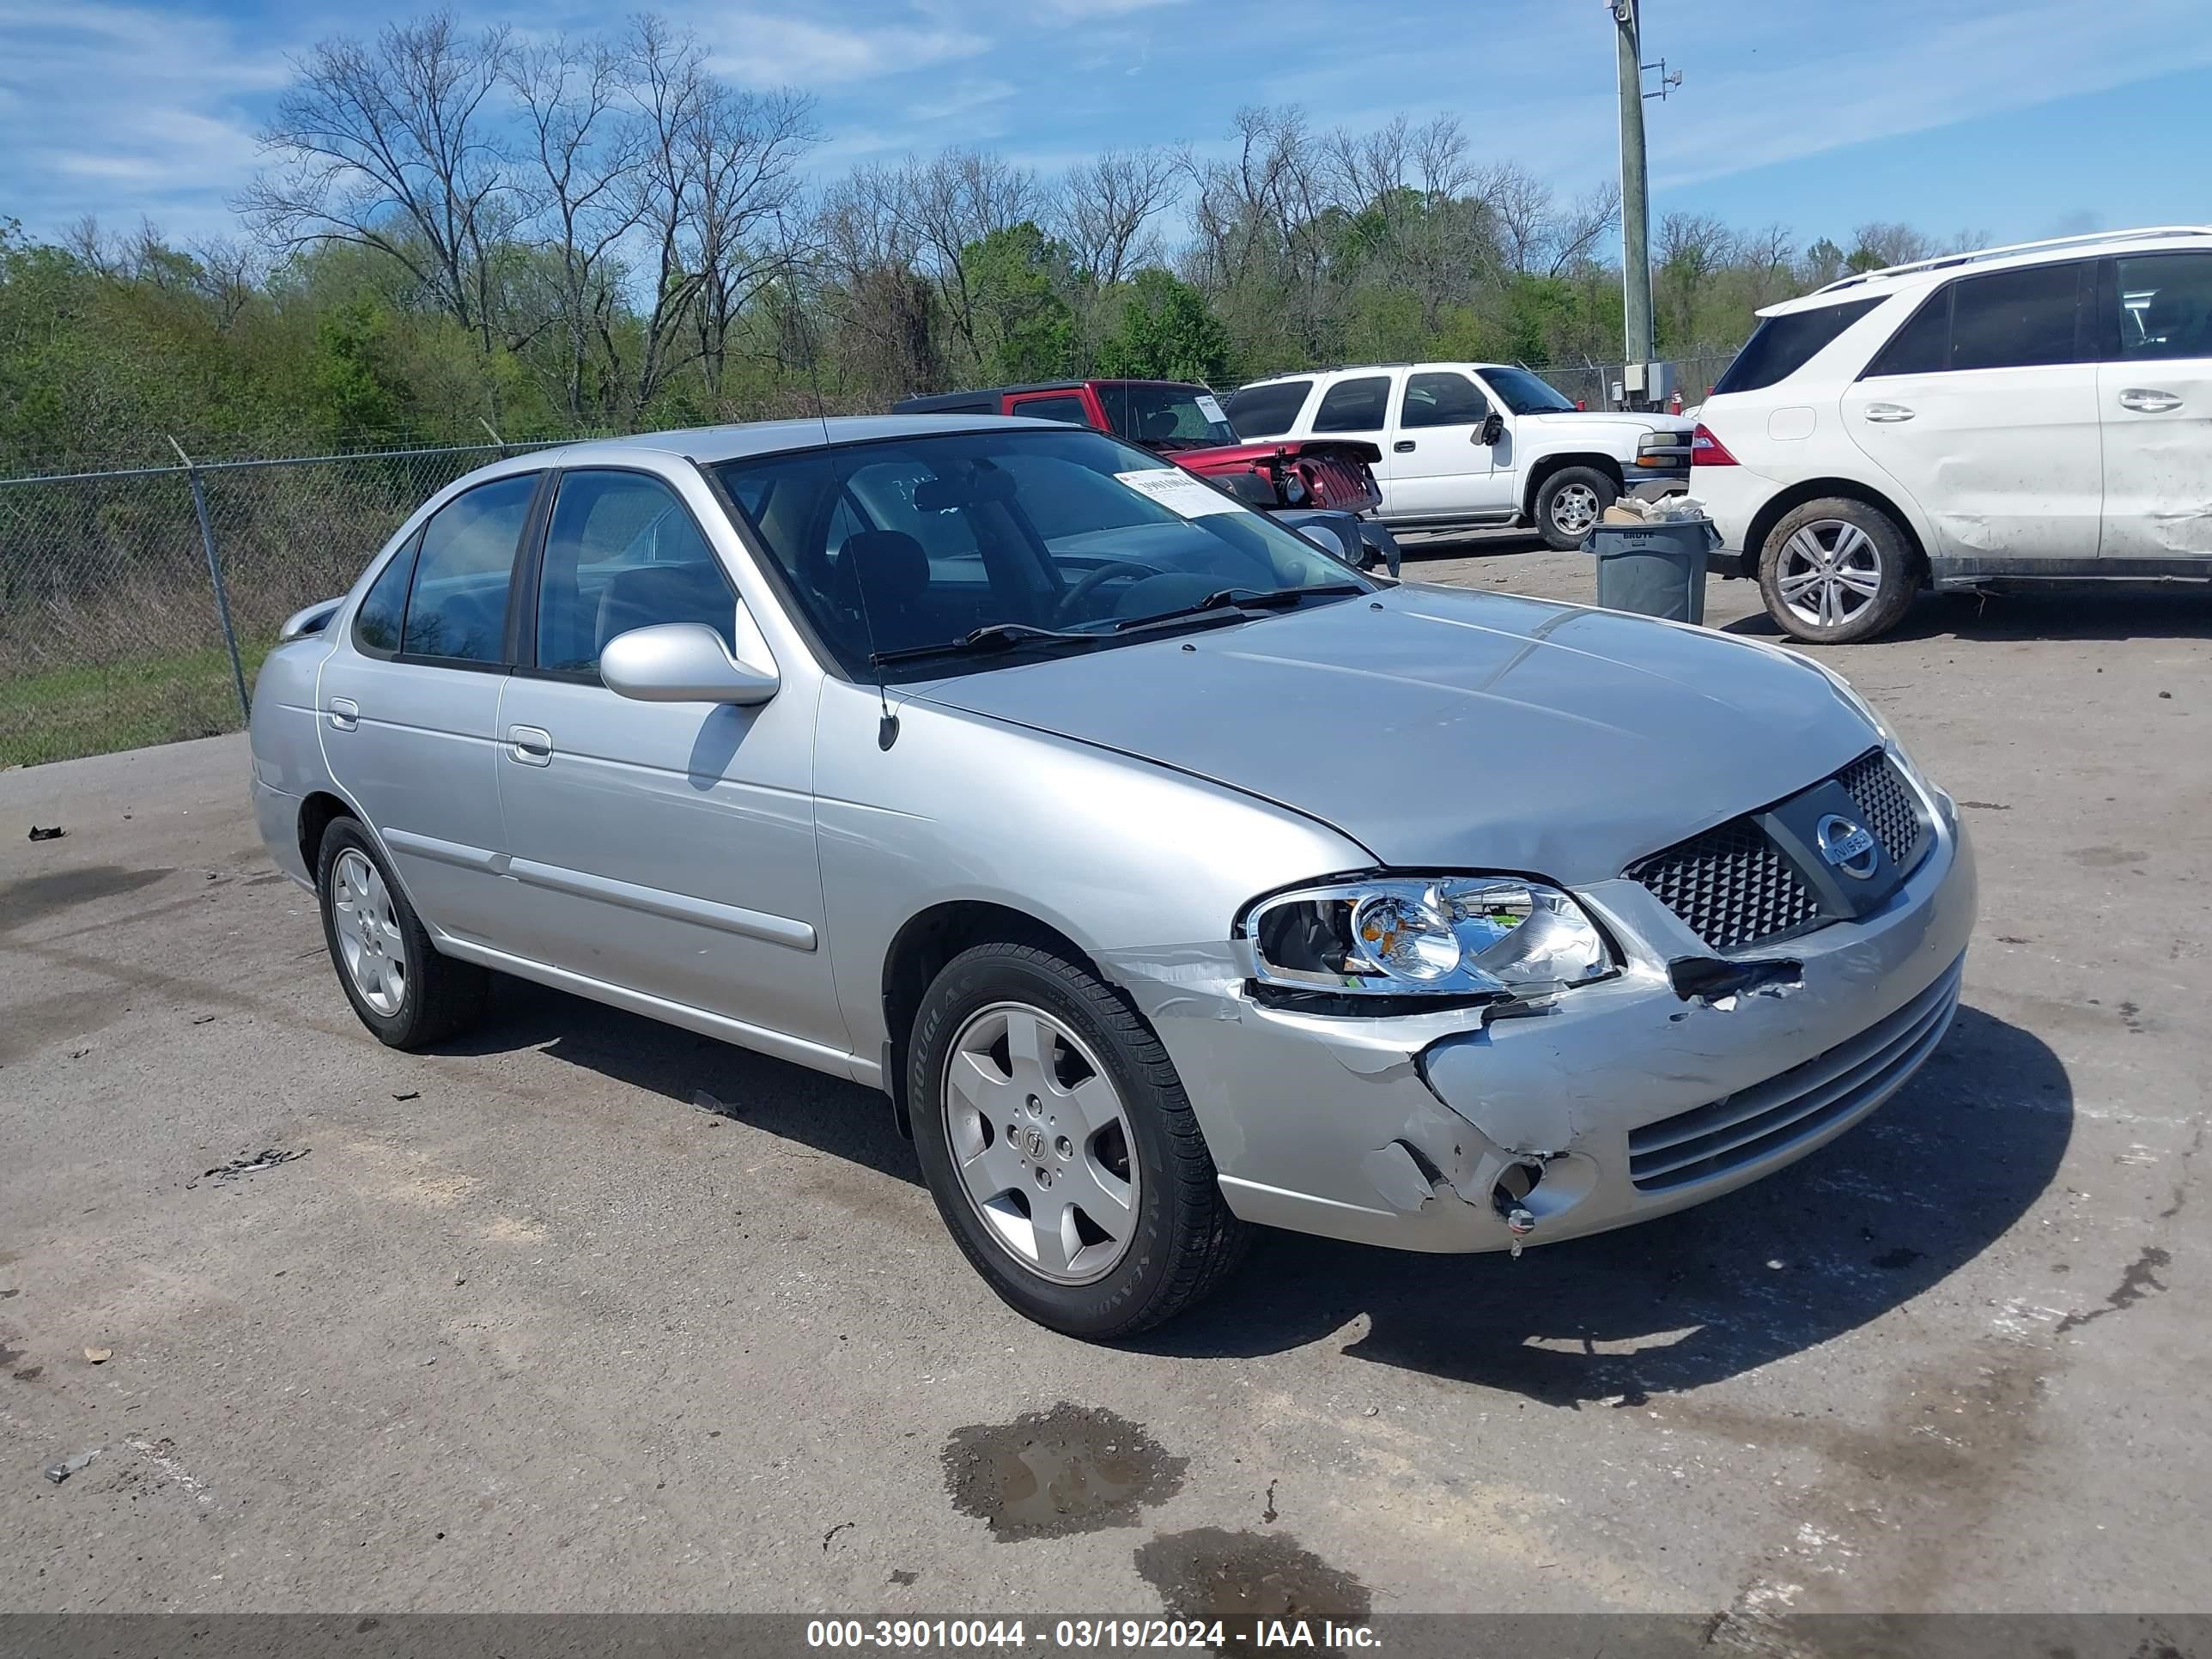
(1354, 405)
(2165, 306)
(384, 607)
(1269, 410)
(1782, 345)
(457, 607)
(2024, 319)
(2016, 318)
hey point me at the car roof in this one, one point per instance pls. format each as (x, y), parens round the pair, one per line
(1367, 369)
(1923, 274)
(712, 444)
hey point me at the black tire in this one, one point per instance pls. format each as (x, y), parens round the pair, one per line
(1185, 1242)
(1895, 569)
(1548, 504)
(441, 997)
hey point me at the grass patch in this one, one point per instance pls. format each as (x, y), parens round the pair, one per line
(96, 710)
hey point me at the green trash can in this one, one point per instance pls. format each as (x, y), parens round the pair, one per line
(1654, 568)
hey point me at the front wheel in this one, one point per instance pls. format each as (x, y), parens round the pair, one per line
(1837, 571)
(1570, 503)
(1061, 1148)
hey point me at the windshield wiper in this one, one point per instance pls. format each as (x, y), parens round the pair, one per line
(1242, 599)
(998, 636)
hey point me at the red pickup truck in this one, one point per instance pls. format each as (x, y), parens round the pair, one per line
(1185, 424)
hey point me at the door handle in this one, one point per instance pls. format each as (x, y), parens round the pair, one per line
(2145, 401)
(532, 745)
(345, 714)
(1404, 445)
(1887, 413)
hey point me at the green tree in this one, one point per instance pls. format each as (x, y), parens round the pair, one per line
(1166, 332)
(1025, 330)
(358, 387)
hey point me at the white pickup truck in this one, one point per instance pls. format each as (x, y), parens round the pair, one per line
(1466, 446)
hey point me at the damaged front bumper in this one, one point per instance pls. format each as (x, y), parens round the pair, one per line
(1476, 1129)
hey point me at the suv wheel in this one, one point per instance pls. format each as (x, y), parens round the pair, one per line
(404, 992)
(1836, 571)
(1570, 503)
(1061, 1148)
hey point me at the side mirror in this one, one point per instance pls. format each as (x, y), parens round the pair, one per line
(1491, 429)
(684, 662)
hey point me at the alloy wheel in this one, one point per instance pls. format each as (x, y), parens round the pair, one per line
(367, 927)
(1574, 510)
(1829, 573)
(1041, 1141)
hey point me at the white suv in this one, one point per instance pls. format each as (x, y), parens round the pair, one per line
(2037, 413)
(1471, 446)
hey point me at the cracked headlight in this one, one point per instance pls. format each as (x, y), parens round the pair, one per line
(1432, 936)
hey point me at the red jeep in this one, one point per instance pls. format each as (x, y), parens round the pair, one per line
(1301, 479)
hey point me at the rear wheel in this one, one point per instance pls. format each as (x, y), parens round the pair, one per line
(404, 991)
(1837, 571)
(1569, 503)
(1061, 1148)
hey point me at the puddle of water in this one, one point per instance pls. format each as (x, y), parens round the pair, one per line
(1246, 1579)
(1049, 1474)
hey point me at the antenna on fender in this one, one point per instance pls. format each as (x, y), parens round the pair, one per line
(887, 728)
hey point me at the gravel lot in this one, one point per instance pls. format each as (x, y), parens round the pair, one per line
(523, 1328)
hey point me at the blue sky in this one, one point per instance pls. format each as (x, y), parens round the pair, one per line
(2019, 118)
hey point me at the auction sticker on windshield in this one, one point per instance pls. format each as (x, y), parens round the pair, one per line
(1211, 410)
(1179, 492)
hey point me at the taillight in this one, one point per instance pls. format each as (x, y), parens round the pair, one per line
(1706, 450)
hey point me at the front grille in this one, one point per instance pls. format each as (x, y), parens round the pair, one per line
(1730, 885)
(1757, 1123)
(1886, 802)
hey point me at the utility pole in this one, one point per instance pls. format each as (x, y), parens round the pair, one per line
(1635, 193)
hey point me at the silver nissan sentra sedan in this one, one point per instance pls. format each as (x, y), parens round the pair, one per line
(1169, 876)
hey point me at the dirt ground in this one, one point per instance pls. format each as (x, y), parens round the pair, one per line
(519, 1325)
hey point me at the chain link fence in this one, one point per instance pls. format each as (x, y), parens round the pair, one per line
(136, 605)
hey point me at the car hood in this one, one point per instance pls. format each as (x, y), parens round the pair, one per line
(1442, 728)
(1584, 420)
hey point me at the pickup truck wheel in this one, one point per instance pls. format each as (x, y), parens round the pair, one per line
(1569, 503)
(404, 991)
(1061, 1148)
(1836, 571)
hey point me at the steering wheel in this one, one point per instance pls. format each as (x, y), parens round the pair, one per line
(1090, 581)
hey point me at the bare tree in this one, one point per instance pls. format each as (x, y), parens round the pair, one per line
(744, 156)
(952, 202)
(1105, 212)
(883, 307)
(392, 146)
(584, 152)
(1520, 204)
(1577, 229)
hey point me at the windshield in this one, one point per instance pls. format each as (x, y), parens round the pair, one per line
(1525, 394)
(1172, 417)
(1049, 540)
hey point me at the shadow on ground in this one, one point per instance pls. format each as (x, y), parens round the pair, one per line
(841, 1119)
(1935, 1176)
(2182, 611)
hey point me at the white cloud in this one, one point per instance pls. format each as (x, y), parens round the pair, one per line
(756, 50)
(124, 111)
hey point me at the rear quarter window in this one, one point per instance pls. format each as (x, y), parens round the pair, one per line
(1268, 411)
(1782, 345)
